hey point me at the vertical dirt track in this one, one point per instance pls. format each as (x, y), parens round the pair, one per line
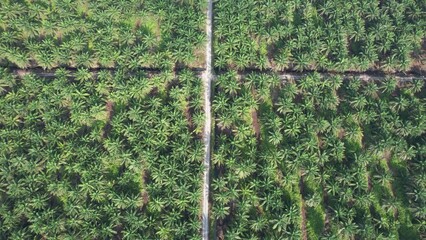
(207, 79)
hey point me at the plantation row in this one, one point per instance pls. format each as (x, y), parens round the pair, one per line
(333, 35)
(106, 33)
(112, 157)
(121, 156)
(318, 158)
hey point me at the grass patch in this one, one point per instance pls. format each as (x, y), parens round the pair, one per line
(316, 218)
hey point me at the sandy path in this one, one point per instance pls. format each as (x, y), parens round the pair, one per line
(207, 79)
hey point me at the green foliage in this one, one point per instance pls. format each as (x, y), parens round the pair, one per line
(333, 35)
(117, 154)
(338, 152)
(100, 158)
(107, 33)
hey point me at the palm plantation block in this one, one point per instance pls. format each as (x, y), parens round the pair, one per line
(335, 35)
(318, 158)
(107, 33)
(226, 119)
(104, 157)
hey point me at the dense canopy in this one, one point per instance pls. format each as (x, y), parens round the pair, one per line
(318, 158)
(336, 35)
(100, 157)
(106, 33)
(227, 119)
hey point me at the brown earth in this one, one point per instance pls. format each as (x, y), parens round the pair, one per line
(188, 116)
(110, 113)
(256, 125)
(418, 65)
